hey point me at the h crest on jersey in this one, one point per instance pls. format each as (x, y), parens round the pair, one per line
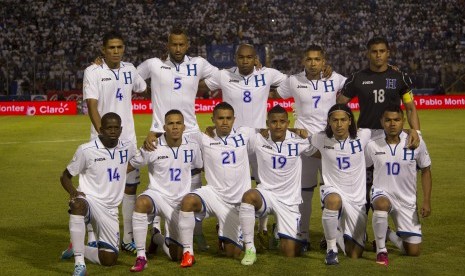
(391, 83)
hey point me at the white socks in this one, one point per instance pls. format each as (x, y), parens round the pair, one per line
(380, 225)
(330, 222)
(140, 228)
(77, 230)
(247, 220)
(129, 201)
(186, 231)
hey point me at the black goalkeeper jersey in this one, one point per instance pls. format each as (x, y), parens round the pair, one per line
(376, 91)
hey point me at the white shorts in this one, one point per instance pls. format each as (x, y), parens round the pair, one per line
(227, 215)
(287, 216)
(169, 210)
(405, 218)
(352, 217)
(105, 223)
(310, 168)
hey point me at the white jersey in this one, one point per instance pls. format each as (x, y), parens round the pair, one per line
(174, 86)
(102, 171)
(343, 164)
(170, 168)
(226, 164)
(395, 167)
(313, 98)
(247, 94)
(112, 88)
(280, 166)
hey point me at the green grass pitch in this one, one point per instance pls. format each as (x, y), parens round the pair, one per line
(34, 222)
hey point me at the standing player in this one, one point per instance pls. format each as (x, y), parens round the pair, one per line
(247, 90)
(314, 95)
(170, 179)
(108, 88)
(344, 193)
(395, 186)
(228, 177)
(174, 84)
(101, 165)
(279, 191)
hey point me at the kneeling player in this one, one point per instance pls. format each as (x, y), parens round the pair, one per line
(101, 165)
(395, 186)
(170, 166)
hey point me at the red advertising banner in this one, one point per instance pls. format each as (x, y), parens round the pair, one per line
(203, 106)
(38, 108)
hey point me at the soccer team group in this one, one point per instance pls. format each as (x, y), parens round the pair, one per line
(371, 163)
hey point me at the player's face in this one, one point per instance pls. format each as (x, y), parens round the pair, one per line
(278, 124)
(340, 122)
(378, 54)
(174, 126)
(393, 123)
(314, 63)
(223, 119)
(113, 52)
(178, 46)
(110, 132)
(245, 59)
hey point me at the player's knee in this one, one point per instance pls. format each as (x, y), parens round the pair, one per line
(381, 204)
(412, 250)
(78, 206)
(107, 258)
(333, 202)
(251, 197)
(143, 204)
(190, 203)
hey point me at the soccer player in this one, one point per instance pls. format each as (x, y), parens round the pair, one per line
(279, 192)
(108, 88)
(101, 165)
(247, 89)
(227, 173)
(395, 186)
(314, 95)
(343, 196)
(174, 84)
(170, 179)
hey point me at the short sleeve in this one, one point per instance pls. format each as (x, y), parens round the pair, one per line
(214, 81)
(78, 163)
(90, 83)
(284, 90)
(423, 158)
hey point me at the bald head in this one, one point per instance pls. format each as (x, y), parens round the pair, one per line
(245, 59)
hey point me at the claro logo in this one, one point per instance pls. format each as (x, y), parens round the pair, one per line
(45, 109)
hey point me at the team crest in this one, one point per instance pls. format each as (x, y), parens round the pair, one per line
(391, 83)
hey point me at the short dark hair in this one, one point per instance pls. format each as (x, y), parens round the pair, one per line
(223, 106)
(173, 111)
(393, 108)
(112, 35)
(177, 30)
(348, 111)
(377, 40)
(316, 48)
(277, 109)
(110, 115)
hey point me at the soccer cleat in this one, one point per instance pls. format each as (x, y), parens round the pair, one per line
(80, 270)
(220, 242)
(130, 247)
(201, 242)
(331, 258)
(249, 258)
(188, 260)
(153, 247)
(305, 246)
(141, 264)
(382, 258)
(68, 253)
(263, 241)
(92, 244)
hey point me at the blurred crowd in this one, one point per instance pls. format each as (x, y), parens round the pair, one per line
(46, 45)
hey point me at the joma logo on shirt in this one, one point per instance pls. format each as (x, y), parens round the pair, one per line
(380, 153)
(367, 82)
(99, 159)
(162, 157)
(166, 67)
(234, 81)
(302, 86)
(213, 144)
(106, 79)
(328, 147)
(266, 147)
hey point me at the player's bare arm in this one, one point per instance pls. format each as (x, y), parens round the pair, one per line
(414, 122)
(150, 143)
(67, 184)
(427, 183)
(341, 99)
(92, 106)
